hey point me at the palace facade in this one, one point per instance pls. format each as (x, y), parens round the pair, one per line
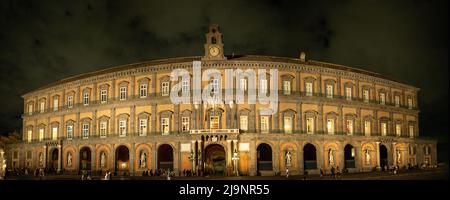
(123, 119)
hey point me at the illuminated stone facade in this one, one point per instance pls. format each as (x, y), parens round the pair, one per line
(122, 119)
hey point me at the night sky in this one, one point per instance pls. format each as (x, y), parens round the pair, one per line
(44, 41)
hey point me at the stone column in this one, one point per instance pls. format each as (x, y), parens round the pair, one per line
(252, 119)
(252, 159)
(155, 156)
(299, 117)
(276, 157)
(342, 151)
(394, 154)
(300, 157)
(194, 153)
(276, 121)
(93, 158)
(77, 131)
(94, 123)
(132, 157)
(378, 154)
(176, 118)
(341, 119)
(94, 93)
(229, 153)
(112, 122)
(132, 86)
(153, 125)
(236, 167)
(358, 156)
(45, 156)
(320, 119)
(59, 158)
(200, 155)
(113, 156)
(320, 161)
(339, 86)
(132, 120)
(319, 81)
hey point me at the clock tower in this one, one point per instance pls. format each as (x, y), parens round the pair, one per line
(214, 45)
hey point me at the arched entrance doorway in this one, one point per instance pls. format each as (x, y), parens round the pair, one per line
(122, 160)
(310, 157)
(264, 158)
(85, 158)
(383, 156)
(215, 163)
(54, 160)
(165, 157)
(349, 156)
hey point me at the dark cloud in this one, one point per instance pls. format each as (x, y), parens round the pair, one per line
(43, 41)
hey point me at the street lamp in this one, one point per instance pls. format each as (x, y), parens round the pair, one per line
(235, 159)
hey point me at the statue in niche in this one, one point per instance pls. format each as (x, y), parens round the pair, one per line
(367, 157)
(103, 160)
(330, 157)
(69, 160)
(143, 160)
(288, 158)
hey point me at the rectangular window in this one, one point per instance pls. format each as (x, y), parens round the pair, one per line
(383, 129)
(309, 89)
(29, 135)
(86, 98)
(165, 89)
(243, 122)
(286, 87)
(214, 122)
(398, 129)
(143, 90)
(55, 104)
(85, 130)
(264, 124)
(122, 128)
(263, 86)
(309, 125)
(69, 132)
(123, 93)
(103, 129)
(185, 124)
(54, 133)
(367, 128)
(243, 84)
(215, 86)
(410, 103)
(366, 96)
(165, 126)
(349, 127)
(30, 109)
(382, 98)
(42, 106)
(330, 126)
(287, 124)
(41, 134)
(185, 86)
(103, 96)
(397, 101)
(348, 93)
(70, 101)
(329, 91)
(411, 131)
(142, 127)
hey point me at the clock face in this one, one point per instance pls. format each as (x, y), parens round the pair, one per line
(214, 51)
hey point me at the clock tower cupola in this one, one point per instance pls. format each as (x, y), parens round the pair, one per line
(214, 45)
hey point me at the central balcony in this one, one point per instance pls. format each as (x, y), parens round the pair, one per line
(215, 131)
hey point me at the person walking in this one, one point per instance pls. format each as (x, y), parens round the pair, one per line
(287, 172)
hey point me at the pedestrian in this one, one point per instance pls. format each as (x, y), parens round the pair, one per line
(321, 173)
(287, 172)
(332, 172)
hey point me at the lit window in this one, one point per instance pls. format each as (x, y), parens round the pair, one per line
(411, 131)
(309, 125)
(214, 122)
(367, 128)
(243, 122)
(143, 90)
(41, 134)
(184, 86)
(410, 103)
(86, 98)
(263, 86)
(123, 93)
(398, 129)
(215, 87)
(397, 101)
(286, 87)
(69, 132)
(54, 133)
(70, 101)
(165, 126)
(348, 93)
(185, 124)
(122, 127)
(85, 132)
(29, 136)
(329, 91)
(382, 98)
(243, 84)
(30, 109)
(309, 89)
(42, 106)
(143, 127)
(366, 96)
(165, 89)
(288, 124)
(330, 126)
(349, 127)
(264, 124)
(55, 104)
(383, 128)
(103, 129)
(103, 95)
